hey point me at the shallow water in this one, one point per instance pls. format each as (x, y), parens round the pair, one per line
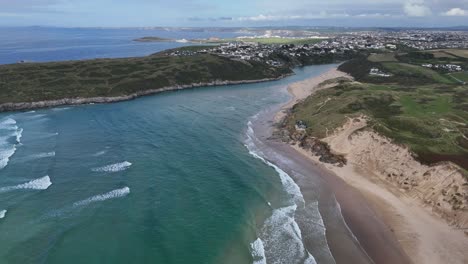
(161, 179)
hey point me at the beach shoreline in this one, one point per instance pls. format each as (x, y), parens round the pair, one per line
(393, 228)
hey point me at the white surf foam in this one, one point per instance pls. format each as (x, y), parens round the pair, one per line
(60, 109)
(5, 153)
(102, 197)
(19, 135)
(281, 235)
(121, 166)
(100, 153)
(8, 122)
(43, 155)
(258, 252)
(282, 238)
(288, 183)
(37, 184)
(2, 214)
(9, 140)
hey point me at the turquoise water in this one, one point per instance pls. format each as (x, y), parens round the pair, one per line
(161, 179)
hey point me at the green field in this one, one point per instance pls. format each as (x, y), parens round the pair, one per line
(423, 109)
(30, 82)
(462, 76)
(382, 57)
(399, 68)
(430, 120)
(463, 53)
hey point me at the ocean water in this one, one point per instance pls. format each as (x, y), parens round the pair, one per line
(40, 44)
(170, 178)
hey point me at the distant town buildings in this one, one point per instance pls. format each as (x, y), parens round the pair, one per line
(378, 73)
(340, 43)
(446, 67)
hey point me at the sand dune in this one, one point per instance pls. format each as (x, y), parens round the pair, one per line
(415, 201)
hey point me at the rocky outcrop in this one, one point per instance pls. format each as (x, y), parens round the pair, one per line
(317, 147)
(323, 151)
(111, 99)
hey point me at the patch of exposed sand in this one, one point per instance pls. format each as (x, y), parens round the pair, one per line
(416, 201)
(303, 89)
(412, 200)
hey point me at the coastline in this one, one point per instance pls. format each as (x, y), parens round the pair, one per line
(398, 222)
(21, 106)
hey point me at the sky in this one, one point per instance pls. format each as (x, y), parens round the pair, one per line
(235, 13)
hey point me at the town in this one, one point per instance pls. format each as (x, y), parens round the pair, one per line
(338, 44)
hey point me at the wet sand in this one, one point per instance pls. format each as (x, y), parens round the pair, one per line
(390, 227)
(361, 237)
(355, 232)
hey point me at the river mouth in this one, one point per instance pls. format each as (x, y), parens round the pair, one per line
(167, 178)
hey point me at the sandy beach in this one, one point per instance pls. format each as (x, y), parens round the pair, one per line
(392, 225)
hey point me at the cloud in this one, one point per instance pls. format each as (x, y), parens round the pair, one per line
(456, 12)
(416, 8)
(321, 15)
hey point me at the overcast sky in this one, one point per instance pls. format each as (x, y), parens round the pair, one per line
(130, 13)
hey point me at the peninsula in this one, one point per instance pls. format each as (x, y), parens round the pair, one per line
(38, 85)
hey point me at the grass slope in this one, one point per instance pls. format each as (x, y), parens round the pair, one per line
(32, 82)
(431, 120)
(423, 109)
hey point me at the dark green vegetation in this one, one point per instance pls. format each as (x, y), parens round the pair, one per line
(418, 107)
(154, 39)
(32, 82)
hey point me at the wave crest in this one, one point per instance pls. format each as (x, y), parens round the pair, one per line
(3, 213)
(37, 184)
(258, 252)
(9, 140)
(102, 197)
(116, 167)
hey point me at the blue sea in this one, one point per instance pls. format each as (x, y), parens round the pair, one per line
(41, 44)
(172, 178)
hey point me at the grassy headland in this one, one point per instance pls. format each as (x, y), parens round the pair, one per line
(32, 82)
(421, 108)
(34, 85)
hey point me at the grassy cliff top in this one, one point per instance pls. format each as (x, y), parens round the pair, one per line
(429, 114)
(31, 82)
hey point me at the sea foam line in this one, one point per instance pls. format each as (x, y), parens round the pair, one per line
(37, 184)
(42, 155)
(116, 167)
(7, 147)
(258, 252)
(117, 193)
(282, 238)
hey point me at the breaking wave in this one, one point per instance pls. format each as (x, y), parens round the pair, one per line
(258, 252)
(281, 236)
(42, 155)
(102, 197)
(10, 138)
(100, 153)
(8, 122)
(37, 184)
(121, 166)
(3, 213)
